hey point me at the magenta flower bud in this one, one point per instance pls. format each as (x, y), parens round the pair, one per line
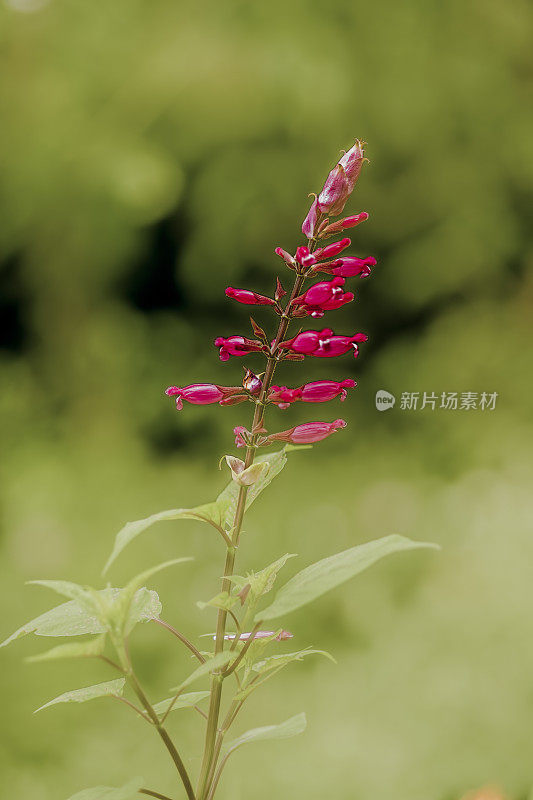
(308, 433)
(309, 223)
(351, 222)
(332, 250)
(236, 346)
(288, 259)
(248, 297)
(341, 181)
(324, 343)
(322, 391)
(350, 267)
(202, 394)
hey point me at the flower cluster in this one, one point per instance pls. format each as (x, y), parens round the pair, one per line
(317, 256)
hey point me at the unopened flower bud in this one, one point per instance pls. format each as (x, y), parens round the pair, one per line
(348, 267)
(248, 297)
(341, 181)
(288, 259)
(332, 250)
(251, 382)
(309, 223)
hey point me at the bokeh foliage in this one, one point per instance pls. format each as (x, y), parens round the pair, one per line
(150, 154)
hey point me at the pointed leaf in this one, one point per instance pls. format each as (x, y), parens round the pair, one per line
(325, 575)
(209, 513)
(291, 727)
(70, 619)
(184, 701)
(107, 689)
(222, 600)
(88, 649)
(209, 666)
(127, 792)
(274, 662)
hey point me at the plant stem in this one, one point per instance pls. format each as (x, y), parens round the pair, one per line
(182, 639)
(259, 413)
(154, 794)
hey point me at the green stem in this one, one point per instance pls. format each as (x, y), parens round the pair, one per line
(183, 639)
(121, 647)
(259, 413)
(150, 793)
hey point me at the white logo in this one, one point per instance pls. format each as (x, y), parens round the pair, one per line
(384, 400)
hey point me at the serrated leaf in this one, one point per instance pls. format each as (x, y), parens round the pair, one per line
(119, 614)
(206, 668)
(187, 700)
(209, 512)
(275, 662)
(88, 649)
(328, 573)
(108, 689)
(70, 619)
(291, 727)
(127, 792)
(262, 582)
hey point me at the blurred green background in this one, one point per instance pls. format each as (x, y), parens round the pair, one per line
(152, 153)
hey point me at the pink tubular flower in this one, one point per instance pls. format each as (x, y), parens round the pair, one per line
(348, 267)
(308, 433)
(248, 297)
(324, 343)
(322, 391)
(202, 394)
(236, 346)
(313, 392)
(323, 296)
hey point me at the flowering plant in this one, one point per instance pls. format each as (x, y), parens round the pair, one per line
(245, 630)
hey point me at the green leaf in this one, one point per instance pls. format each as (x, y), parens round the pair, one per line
(88, 649)
(325, 575)
(127, 792)
(222, 600)
(108, 689)
(291, 727)
(209, 666)
(71, 619)
(275, 662)
(120, 613)
(262, 582)
(209, 513)
(184, 701)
